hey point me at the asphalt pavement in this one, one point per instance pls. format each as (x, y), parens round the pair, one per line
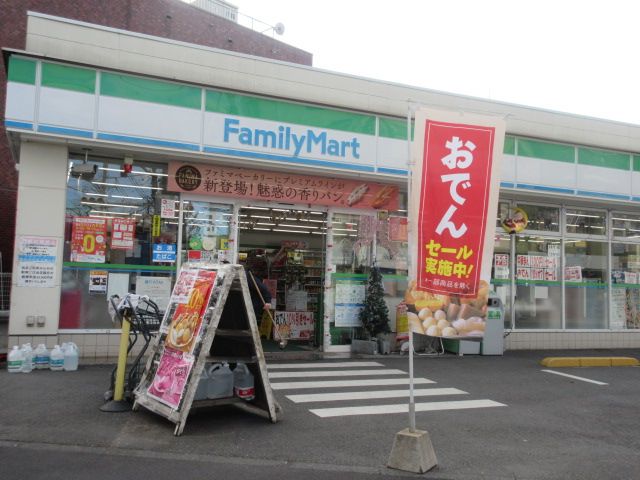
(496, 418)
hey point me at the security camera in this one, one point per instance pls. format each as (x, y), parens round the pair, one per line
(84, 170)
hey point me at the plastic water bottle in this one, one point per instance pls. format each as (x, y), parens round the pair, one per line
(71, 354)
(56, 359)
(220, 381)
(203, 385)
(27, 351)
(41, 357)
(243, 382)
(15, 360)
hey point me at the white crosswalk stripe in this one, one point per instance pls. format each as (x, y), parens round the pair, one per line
(404, 408)
(369, 382)
(337, 373)
(332, 397)
(298, 366)
(325, 389)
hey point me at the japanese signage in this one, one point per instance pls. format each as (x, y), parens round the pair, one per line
(98, 281)
(349, 301)
(294, 325)
(88, 239)
(573, 274)
(155, 226)
(167, 208)
(123, 233)
(455, 184)
(516, 221)
(157, 289)
(37, 261)
(537, 267)
(164, 253)
(242, 183)
(398, 229)
(501, 266)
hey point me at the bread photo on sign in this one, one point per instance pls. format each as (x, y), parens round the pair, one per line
(383, 196)
(357, 194)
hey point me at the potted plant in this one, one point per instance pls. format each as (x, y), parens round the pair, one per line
(374, 318)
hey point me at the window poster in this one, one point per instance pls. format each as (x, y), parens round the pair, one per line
(294, 325)
(37, 261)
(123, 233)
(349, 301)
(398, 229)
(98, 281)
(88, 239)
(157, 289)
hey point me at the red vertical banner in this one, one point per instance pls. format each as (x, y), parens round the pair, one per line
(455, 183)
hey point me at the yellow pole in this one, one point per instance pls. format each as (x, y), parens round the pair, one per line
(118, 392)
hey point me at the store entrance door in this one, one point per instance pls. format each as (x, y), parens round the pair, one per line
(285, 247)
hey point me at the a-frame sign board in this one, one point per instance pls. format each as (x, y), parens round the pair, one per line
(210, 318)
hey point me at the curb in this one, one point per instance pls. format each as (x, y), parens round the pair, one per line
(557, 362)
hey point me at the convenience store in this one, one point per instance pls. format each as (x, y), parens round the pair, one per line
(199, 154)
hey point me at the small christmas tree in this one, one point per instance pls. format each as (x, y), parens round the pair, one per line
(375, 314)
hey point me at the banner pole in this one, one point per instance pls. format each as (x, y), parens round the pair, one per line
(412, 404)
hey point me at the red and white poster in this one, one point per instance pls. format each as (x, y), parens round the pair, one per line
(184, 327)
(123, 233)
(455, 188)
(88, 239)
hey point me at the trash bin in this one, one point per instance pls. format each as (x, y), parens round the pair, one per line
(493, 341)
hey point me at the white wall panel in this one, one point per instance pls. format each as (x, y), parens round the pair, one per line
(65, 108)
(607, 180)
(548, 173)
(392, 153)
(21, 100)
(143, 119)
(508, 168)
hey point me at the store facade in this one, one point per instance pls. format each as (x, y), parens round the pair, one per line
(162, 153)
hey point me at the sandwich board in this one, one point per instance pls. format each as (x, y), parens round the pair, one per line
(209, 319)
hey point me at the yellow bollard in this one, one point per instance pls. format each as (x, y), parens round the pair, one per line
(118, 404)
(118, 391)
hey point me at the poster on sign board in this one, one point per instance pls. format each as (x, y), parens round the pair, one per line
(455, 185)
(37, 261)
(88, 239)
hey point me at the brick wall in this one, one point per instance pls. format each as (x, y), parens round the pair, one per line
(165, 18)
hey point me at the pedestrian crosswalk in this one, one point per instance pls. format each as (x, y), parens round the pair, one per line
(332, 392)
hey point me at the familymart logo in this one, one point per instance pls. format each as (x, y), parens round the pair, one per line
(303, 142)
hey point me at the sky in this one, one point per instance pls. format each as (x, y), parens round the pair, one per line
(571, 56)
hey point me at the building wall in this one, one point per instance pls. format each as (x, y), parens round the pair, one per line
(41, 209)
(164, 18)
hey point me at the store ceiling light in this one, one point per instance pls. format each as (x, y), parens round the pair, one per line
(110, 212)
(122, 185)
(109, 204)
(289, 231)
(120, 170)
(124, 196)
(286, 225)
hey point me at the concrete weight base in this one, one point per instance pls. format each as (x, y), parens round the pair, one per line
(412, 452)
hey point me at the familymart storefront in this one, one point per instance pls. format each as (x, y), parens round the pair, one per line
(125, 176)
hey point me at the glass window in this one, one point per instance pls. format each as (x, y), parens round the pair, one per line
(625, 225)
(501, 273)
(542, 218)
(114, 222)
(625, 289)
(586, 285)
(206, 232)
(503, 212)
(585, 222)
(538, 299)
